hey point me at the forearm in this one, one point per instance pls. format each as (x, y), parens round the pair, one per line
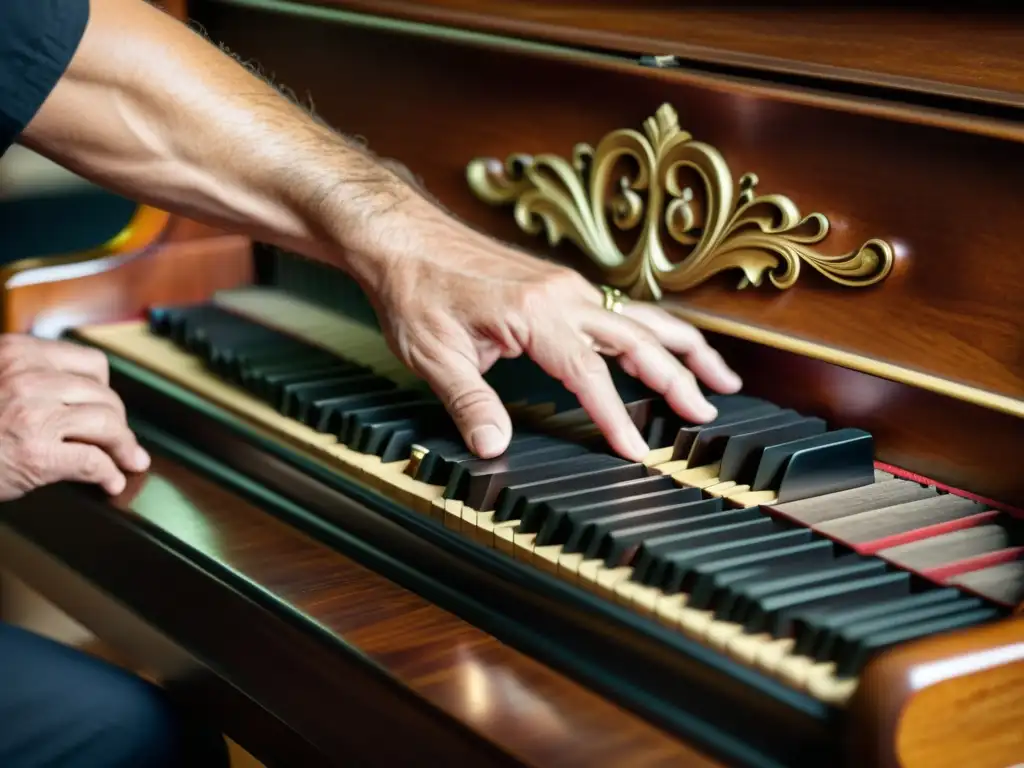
(150, 109)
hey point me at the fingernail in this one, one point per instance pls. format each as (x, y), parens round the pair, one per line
(142, 459)
(116, 486)
(486, 441)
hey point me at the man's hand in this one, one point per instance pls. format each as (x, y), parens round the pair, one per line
(455, 301)
(151, 110)
(59, 419)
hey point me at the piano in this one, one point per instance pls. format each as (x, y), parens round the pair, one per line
(832, 572)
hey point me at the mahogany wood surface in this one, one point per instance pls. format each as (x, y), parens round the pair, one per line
(50, 299)
(964, 51)
(389, 677)
(946, 702)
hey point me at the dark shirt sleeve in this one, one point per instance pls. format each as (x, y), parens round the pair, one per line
(38, 38)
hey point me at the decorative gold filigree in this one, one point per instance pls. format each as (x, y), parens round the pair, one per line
(739, 229)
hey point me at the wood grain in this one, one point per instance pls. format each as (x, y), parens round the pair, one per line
(465, 686)
(953, 700)
(967, 53)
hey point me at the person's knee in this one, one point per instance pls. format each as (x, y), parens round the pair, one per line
(59, 706)
(130, 723)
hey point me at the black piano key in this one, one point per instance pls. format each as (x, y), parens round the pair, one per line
(355, 423)
(548, 516)
(513, 500)
(271, 388)
(815, 466)
(817, 632)
(656, 552)
(399, 444)
(474, 481)
(297, 397)
(677, 571)
(589, 529)
(327, 415)
(743, 451)
(709, 579)
(775, 614)
(437, 467)
(742, 597)
(375, 438)
(485, 499)
(249, 369)
(743, 410)
(852, 659)
(710, 442)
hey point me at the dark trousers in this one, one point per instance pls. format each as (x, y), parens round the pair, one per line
(59, 707)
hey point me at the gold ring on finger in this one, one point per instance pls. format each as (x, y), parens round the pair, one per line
(614, 299)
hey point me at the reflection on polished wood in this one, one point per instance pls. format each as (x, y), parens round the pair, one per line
(477, 687)
(960, 52)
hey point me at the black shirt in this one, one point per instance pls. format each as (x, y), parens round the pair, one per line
(38, 38)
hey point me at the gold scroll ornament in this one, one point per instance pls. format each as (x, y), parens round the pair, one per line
(739, 229)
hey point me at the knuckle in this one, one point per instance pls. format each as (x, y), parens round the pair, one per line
(582, 365)
(92, 465)
(461, 401)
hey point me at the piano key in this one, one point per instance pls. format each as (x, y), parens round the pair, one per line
(815, 466)
(591, 524)
(947, 548)
(297, 397)
(866, 530)
(439, 463)
(1002, 583)
(775, 614)
(547, 516)
(709, 443)
(710, 579)
(857, 645)
(657, 552)
(742, 597)
(327, 415)
(742, 453)
(356, 425)
(478, 483)
(741, 409)
(514, 501)
(817, 632)
(833, 506)
(272, 385)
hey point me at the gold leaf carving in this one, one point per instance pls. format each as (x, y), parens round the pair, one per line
(579, 200)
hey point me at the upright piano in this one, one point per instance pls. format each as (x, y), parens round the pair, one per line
(829, 573)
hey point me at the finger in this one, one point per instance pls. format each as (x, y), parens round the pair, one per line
(476, 408)
(81, 463)
(571, 360)
(683, 339)
(66, 388)
(105, 428)
(643, 357)
(77, 359)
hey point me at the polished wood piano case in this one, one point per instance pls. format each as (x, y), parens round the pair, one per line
(844, 229)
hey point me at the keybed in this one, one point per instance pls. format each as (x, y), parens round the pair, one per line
(763, 534)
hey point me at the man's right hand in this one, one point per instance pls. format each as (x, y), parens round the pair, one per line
(60, 420)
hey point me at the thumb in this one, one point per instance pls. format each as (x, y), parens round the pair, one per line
(476, 408)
